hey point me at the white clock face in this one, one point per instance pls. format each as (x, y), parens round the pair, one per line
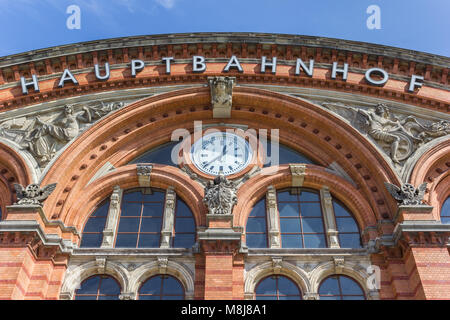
(221, 153)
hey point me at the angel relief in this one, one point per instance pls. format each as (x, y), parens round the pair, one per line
(45, 137)
(399, 138)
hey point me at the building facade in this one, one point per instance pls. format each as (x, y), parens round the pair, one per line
(224, 166)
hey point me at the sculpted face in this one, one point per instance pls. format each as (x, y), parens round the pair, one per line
(68, 109)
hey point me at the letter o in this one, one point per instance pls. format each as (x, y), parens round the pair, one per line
(371, 81)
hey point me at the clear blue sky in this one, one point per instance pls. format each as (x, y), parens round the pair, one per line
(421, 25)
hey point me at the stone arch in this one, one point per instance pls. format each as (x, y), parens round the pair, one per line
(316, 177)
(137, 127)
(350, 269)
(262, 270)
(126, 177)
(77, 274)
(168, 267)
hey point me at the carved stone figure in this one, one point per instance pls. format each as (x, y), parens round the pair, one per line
(407, 194)
(220, 196)
(399, 138)
(221, 96)
(32, 194)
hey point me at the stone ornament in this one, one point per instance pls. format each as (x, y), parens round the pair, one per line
(143, 173)
(407, 194)
(43, 135)
(398, 137)
(220, 196)
(221, 95)
(32, 194)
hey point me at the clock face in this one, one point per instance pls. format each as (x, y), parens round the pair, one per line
(221, 152)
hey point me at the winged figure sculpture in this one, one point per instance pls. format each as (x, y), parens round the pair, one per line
(407, 194)
(33, 194)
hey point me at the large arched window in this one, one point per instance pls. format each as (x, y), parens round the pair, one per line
(277, 287)
(140, 219)
(445, 211)
(93, 229)
(338, 287)
(256, 230)
(161, 287)
(301, 219)
(98, 287)
(161, 154)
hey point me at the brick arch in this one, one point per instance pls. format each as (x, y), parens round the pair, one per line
(13, 169)
(126, 177)
(433, 167)
(316, 177)
(129, 132)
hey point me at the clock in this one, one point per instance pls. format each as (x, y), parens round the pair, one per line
(221, 153)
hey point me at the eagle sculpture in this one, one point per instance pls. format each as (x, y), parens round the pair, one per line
(33, 194)
(407, 194)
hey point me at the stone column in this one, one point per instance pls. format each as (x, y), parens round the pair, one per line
(273, 225)
(109, 232)
(328, 215)
(168, 218)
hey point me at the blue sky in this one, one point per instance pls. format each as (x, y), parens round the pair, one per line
(412, 24)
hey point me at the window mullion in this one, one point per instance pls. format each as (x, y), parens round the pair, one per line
(273, 218)
(168, 218)
(326, 201)
(110, 230)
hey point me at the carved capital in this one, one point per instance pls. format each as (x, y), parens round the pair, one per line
(311, 296)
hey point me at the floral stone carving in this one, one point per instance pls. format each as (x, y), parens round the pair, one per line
(220, 196)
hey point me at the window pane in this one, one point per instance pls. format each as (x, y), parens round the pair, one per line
(151, 286)
(128, 224)
(116, 297)
(353, 298)
(149, 240)
(346, 225)
(151, 225)
(314, 241)
(312, 225)
(109, 286)
(135, 196)
(256, 240)
(184, 224)
(161, 154)
(329, 286)
(445, 220)
(91, 240)
(267, 286)
(289, 225)
(287, 196)
(131, 209)
(153, 210)
(89, 286)
(259, 210)
(183, 210)
(266, 298)
(126, 240)
(102, 210)
(172, 286)
(155, 196)
(349, 240)
(310, 209)
(309, 196)
(183, 240)
(340, 211)
(95, 225)
(288, 210)
(445, 211)
(287, 286)
(291, 241)
(349, 286)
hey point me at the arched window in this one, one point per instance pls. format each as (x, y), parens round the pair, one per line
(93, 229)
(286, 155)
(98, 287)
(445, 211)
(184, 235)
(161, 287)
(140, 218)
(301, 219)
(338, 287)
(161, 154)
(277, 287)
(349, 236)
(256, 230)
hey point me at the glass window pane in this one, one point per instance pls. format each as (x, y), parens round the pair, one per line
(172, 286)
(153, 210)
(259, 210)
(287, 287)
(183, 240)
(445, 220)
(256, 240)
(339, 210)
(329, 286)
(102, 210)
(86, 297)
(312, 225)
(89, 286)
(95, 225)
(151, 225)
(155, 196)
(149, 241)
(267, 286)
(116, 297)
(287, 195)
(349, 240)
(346, 225)
(184, 224)
(291, 241)
(91, 240)
(349, 286)
(128, 224)
(353, 298)
(183, 210)
(126, 240)
(445, 211)
(290, 225)
(314, 241)
(151, 286)
(266, 298)
(309, 196)
(109, 286)
(310, 209)
(135, 196)
(288, 209)
(131, 209)
(161, 154)
(145, 297)
(289, 297)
